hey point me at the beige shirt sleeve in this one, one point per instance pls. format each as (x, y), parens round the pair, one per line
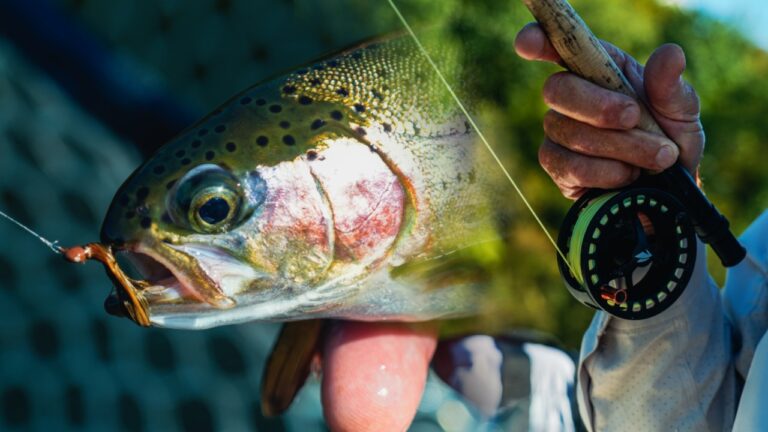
(673, 371)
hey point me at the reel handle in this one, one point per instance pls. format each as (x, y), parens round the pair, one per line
(583, 54)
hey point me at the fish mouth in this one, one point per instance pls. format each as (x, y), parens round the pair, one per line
(164, 275)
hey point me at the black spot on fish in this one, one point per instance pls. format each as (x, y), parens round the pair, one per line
(196, 143)
(387, 127)
(145, 222)
(360, 131)
(209, 155)
(44, 339)
(16, 409)
(315, 82)
(220, 129)
(231, 147)
(337, 115)
(180, 153)
(305, 100)
(472, 176)
(289, 140)
(458, 177)
(226, 356)
(246, 100)
(159, 169)
(170, 184)
(275, 108)
(261, 102)
(129, 413)
(359, 108)
(74, 405)
(285, 124)
(100, 335)
(124, 200)
(262, 141)
(342, 91)
(289, 89)
(158, 351)
(202, 132)
(311, 155)
(142, 193)
(194, 415)
(186, 161)
(142, 210)
(317, 124)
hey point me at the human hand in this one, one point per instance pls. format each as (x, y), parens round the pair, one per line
(374, 374)
(591, 140)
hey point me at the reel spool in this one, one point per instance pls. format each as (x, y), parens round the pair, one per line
(632, 251)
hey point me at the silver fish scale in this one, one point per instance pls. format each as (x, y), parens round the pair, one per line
(66, 365)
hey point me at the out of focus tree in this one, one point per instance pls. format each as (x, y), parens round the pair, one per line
(727, 70)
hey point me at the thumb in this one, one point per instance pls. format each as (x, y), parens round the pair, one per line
(674, 102)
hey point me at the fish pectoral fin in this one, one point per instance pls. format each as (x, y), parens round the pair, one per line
(289, 364)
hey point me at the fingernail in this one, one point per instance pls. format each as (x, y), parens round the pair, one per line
(629, 116)
(666, 156)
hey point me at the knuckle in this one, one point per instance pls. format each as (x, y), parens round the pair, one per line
(618, 174)
(545, 156)
(551, 123)
(608, 110)
(579, 173)
(553, 87)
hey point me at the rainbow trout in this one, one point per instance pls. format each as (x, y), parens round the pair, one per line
(352, 188)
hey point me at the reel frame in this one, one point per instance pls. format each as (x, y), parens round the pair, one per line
(653, 268)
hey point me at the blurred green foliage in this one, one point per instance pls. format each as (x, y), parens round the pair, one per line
(726, 69)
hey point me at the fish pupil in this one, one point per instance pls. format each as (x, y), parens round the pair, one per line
(214, 210)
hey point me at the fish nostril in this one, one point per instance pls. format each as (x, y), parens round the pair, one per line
(114, 306)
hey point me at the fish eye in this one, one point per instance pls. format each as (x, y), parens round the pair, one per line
(213, 209)
(210, 199)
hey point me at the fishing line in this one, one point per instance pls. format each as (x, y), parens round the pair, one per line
(51, 244)
(476, 128)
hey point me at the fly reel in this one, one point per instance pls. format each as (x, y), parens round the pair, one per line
(630, 252)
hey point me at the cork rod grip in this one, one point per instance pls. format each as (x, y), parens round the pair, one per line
(583, 53)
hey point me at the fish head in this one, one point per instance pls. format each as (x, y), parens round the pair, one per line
(228, 222)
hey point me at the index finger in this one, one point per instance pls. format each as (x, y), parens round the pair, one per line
(531, 43)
